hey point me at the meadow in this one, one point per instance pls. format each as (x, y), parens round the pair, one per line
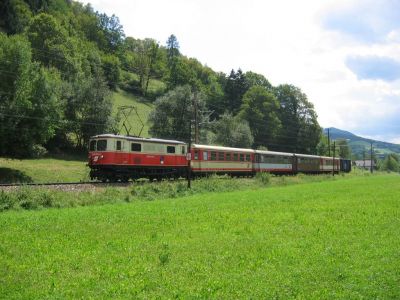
(330, 239)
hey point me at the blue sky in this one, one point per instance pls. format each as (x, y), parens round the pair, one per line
(344, 54)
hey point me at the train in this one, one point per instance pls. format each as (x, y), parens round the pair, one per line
(122, 158)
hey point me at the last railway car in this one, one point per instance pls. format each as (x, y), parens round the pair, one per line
(116, 157)
(314, 164)
(221, 160)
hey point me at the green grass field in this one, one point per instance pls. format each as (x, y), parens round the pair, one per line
(43, 170)
(331, 239)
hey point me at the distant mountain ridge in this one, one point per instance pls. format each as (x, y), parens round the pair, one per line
(359, 144)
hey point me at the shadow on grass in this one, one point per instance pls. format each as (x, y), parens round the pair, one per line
(8, 175)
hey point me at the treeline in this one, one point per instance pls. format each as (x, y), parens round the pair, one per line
(60, 61)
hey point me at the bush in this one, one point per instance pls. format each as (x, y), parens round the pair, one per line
(38, 151)
(264, 178)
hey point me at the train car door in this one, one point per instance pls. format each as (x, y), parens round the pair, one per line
(294, 164)
(123, 156)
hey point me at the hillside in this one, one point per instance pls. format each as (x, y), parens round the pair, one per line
(359, 144)
(143, 106)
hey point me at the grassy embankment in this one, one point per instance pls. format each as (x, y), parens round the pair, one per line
(331, 239)
(68, 169)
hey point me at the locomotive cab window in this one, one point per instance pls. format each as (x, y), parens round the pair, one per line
(92, 146)
(196, 154)
(136, 147)
(101, 145)
(118, 146)
(170, 149)
(183, 149)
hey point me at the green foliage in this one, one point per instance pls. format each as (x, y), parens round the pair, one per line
(264, 178)
(232, 132)
(342, 149)
(88, 109)
(235, 87)
(111, 68)
(51, 45)
(300, 132)
(391, 163)
(254, 79)
(173, 113)
(30, 107)
(260, 109)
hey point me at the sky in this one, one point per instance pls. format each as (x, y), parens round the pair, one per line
(344, 54)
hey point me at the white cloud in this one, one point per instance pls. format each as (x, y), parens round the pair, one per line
(283, 40)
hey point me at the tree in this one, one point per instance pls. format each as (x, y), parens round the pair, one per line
(111, 69)
(30, 109)
(15, 16)
(391, 163)
(232, 131)
(254, 79)
(52, 47)
(260, 109)
(173, 60)
(113, 32)
(174, 112)
(235, 87)
(300, 131)
(88, 109)
(342, 149)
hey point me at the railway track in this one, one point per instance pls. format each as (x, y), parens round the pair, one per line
(66, 186)
(58, 183)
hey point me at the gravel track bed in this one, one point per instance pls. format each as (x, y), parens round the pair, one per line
(79, 187)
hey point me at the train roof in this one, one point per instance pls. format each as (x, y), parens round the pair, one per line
(138, 139)
(307, 155)
(274, 153)
(220, 148)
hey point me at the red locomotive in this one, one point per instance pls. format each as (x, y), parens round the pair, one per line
(115, 157)
(121, 158)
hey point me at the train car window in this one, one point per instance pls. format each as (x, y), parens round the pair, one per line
(228, 157)
(118, 145)
(101, 145)
(136, 147)
(235, 157)
(183, 149)
(221, 156)
(92, 146)
(213, 155)
(205, 155)
(247, 157)
(241, 157)
(196, 154)
(170, 149)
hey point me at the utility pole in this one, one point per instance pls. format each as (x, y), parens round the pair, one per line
(333, 159)
(196, 122)
(189, 156)
(329, 144)
(371, 168)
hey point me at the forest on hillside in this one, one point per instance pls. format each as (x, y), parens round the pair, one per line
(60, 60)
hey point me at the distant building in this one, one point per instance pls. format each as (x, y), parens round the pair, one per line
(365, 164)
